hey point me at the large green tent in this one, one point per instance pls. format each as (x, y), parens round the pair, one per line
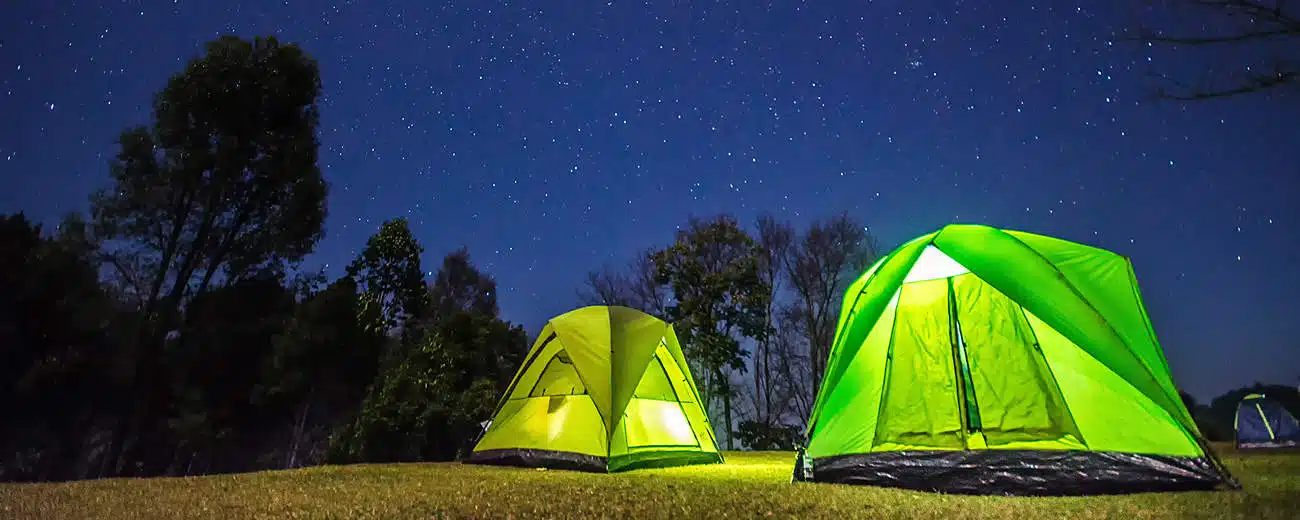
(988, 361)
(603, 389)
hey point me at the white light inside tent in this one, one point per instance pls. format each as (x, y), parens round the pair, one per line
(932, 265)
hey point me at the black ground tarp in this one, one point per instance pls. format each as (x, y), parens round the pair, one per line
(1018, 472)
(540, 459)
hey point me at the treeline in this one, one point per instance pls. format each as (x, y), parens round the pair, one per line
(172, 329)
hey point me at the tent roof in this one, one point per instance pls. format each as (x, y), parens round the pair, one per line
(611, 346)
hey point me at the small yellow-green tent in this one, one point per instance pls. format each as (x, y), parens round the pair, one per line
(603, 389)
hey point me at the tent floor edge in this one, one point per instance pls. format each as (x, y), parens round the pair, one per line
(1021, 472)
(662, 459)
(533, 458)
(1284, 445)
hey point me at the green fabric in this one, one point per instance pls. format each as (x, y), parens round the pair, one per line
(585, 334)
(1018, 397)
(679, 360)
(1107, 282)
(547, 423)
(655, 384)
(866, 307)
(1111, 414)
(597, 363)
(863, 382)
(1019, 341)
(637, 336)
(922, 408)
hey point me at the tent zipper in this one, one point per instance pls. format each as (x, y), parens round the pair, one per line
(966, 388)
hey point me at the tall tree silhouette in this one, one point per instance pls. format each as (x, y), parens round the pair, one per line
(224, 184)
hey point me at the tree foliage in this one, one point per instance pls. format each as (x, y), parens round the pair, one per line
(223, 184)
(765, 436)
(719, 296)
(320, 367)
(461, 287)
(55, 337)
(388, 270)
(430, 403)
(226, 332)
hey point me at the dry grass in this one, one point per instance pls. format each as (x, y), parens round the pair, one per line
(750, 485)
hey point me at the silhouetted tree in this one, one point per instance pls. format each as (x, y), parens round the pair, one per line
(223, 185)
(388, 270)
(793, 369)
(718, 297)
(605, 286)
(825, 260)
(636, 288)
(55, 337)
(321, 366)
(428, 404)
(440, 382)
(228, 333)
(775, 239)
(1189, 401)
(461, 287)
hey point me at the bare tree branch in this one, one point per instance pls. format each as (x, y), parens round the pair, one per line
(1269, 31)
(1253, 83)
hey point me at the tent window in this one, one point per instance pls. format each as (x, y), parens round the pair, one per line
(559, 378)
(655, 383)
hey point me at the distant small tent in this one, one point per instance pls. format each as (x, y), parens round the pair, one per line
(1265, 423)
(985, 361)
(602, 389)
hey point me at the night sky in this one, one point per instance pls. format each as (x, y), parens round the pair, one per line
(553, 139)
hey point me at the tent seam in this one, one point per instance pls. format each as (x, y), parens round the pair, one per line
(1128, 348)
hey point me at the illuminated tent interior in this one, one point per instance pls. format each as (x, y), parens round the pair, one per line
(604, 388)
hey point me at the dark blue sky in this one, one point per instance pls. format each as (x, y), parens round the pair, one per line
(552, 140)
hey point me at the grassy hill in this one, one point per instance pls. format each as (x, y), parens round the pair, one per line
(750, 485)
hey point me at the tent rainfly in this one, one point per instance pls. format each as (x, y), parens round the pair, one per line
(603, 389)
(1264, 423)
(984, 361)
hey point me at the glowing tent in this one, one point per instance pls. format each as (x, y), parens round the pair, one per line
(603, 389)
(987, 361)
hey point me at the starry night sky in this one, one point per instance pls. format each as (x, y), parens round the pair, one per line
(552, 139)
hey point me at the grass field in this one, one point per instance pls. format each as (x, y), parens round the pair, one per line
(749, 485)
